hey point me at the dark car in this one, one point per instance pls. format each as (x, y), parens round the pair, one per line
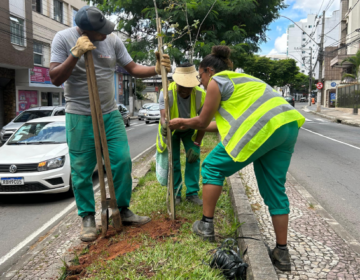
(125, 114)
(291, 100)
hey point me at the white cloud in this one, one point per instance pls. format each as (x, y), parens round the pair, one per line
(273, 51)
(281, 43)
(279, 28)
(312, 7)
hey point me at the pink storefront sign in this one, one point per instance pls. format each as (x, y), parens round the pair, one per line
(40, 75)
(27, 99)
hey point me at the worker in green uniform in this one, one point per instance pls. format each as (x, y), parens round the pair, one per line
(256, 126)
(185, 100)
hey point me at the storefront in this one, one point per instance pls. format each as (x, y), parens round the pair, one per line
(34, 88)
(330, 92)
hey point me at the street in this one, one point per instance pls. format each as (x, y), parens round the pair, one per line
(22, 215)
(327, 164)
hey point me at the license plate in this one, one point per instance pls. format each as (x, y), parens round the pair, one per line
(12, 181)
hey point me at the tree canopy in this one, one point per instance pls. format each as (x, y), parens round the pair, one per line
(238, 23)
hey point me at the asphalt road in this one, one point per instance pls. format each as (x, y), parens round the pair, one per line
(329, 168)
(22, 215)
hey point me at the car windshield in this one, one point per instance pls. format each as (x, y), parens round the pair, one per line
(30, 115)
(39, 133)
(288, 98)
(154, 108)
(146, 106)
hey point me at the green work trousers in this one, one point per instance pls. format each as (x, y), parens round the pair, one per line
(271, 163)
(80, 139)
(192, 170)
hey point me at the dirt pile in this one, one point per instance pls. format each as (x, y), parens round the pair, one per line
(114, 245)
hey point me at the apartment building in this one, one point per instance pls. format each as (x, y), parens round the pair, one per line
(28, 27)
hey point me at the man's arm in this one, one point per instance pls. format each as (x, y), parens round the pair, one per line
(162, 116)
(140, 71)
(60, 72)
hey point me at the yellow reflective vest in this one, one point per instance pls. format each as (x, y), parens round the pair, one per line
(252, 113)
(197, 100)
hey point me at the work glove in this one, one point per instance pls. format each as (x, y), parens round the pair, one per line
(164, 130)
(165, 61)
(193, 154)
(83, 45)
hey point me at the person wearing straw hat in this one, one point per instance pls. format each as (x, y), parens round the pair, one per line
(185, 101)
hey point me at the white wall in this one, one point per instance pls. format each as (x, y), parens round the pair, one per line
(353, 24)
(17, 7)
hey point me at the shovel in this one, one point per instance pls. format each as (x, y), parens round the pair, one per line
(100, 141)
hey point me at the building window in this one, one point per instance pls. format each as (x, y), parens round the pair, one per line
(38, 53)
(36, 6)
(58, 11)
(304, 33)
(303, 46)
(17, 31)
(303, 71)
(310, 26)
(303, 52)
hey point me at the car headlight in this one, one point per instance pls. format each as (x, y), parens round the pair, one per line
(51, 164)
(145, 114)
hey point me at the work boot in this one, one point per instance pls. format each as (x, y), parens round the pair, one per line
(129, 218)
(88, 232)
(195, 200)
(281, 259)
(178, 200)
(205, 230)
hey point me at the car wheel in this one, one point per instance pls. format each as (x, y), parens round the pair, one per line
(147, 122)
(128, 122)
(139, 119)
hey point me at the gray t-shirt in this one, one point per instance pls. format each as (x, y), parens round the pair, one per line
(183, 105)
(226, 87)
(106, 55)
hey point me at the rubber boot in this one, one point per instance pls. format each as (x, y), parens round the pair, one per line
(88, 232)
(281, 259)
(204, 230)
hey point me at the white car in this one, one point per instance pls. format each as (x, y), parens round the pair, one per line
(152, 114)
(142, 111)
(36, 158)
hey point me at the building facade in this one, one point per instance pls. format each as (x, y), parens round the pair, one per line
(28, 28)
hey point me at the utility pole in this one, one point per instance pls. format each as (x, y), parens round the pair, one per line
(321, 58)
(310, 79)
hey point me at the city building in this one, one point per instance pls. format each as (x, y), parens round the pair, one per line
(28, 28)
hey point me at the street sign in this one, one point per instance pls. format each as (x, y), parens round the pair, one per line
(333, 84)
(319, 85)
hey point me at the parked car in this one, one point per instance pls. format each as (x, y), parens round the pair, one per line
(303, 99)
(35, 159)
(291, 100)
(142, 111)
(125, 114)
(30, 114)
(152, 114)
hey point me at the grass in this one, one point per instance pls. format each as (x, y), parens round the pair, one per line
(179, 257)
(311, 206)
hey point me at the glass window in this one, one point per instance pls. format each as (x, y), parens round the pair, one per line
(58, 11)
(56, 99)
(74, 14)
(44, 99)
(36, 6)
(38, 53)
(310, 26)
(30, 115)
(17, 31)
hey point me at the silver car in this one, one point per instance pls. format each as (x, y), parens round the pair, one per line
(152, 114)
(30, 114)
(142, 111)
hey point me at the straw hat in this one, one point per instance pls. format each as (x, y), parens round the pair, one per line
(186, 76)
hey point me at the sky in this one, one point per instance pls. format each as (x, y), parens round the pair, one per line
(297, 10)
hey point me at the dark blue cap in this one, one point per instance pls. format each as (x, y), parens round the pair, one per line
(92, 19)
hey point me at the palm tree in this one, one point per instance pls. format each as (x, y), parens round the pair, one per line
(355, 62)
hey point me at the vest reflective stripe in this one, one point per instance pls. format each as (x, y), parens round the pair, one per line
(198, 99)
(251, 115)
(259, 125)
(235, 124)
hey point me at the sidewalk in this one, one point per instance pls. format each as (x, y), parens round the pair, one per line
(320, 248)
(335, 114)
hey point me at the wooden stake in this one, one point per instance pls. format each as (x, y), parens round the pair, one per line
(170, 195)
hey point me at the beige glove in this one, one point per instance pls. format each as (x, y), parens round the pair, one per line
(164, 62)
(83, 45)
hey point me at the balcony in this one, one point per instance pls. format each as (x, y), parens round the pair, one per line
(336, 61)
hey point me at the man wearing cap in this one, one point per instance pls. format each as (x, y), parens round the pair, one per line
(185, 101)
(93, 33)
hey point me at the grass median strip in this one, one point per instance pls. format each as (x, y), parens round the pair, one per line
(161, 249)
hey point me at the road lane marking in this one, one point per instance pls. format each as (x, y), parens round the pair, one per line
(307, 120)
(352, 146)
(321, 120)
(152, 124)
(130, 129)
(52, 221)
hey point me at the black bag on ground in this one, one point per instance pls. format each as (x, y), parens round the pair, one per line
(227, 257)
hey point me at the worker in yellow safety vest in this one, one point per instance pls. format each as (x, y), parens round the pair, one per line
(256, 126)
(185, 100)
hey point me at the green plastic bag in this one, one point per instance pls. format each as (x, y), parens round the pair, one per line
(162, 167)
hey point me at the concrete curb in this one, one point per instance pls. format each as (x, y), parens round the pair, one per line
(339, 229)
(334, 119)
(260, 265)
